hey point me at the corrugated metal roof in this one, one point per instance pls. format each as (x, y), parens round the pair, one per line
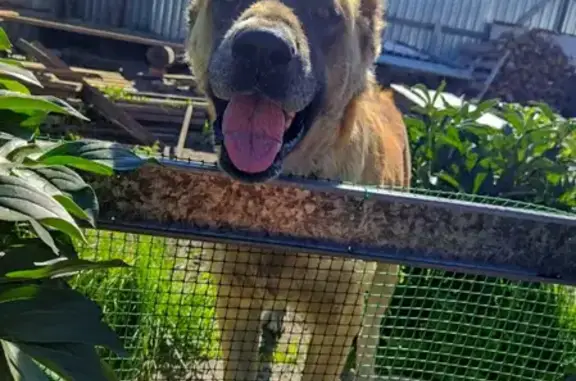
(424, 66)
(168, 21)
(95, 11)
(135, 15)
(570, 23)
(138, 15)
(471, 15)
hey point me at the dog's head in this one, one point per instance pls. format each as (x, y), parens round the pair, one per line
(272, 68)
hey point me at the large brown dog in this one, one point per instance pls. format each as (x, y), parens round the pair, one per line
(293, 91)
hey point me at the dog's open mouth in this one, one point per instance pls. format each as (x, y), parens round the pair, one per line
(257, 134)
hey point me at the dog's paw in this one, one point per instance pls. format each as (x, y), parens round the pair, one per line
(348, 375)
(273, 322)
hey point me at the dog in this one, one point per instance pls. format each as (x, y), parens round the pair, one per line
(292, 90)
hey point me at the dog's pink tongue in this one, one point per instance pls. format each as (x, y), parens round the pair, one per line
(253, 128)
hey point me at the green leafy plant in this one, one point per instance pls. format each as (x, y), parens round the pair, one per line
(531, 159)
(450, 326)
(47, 329)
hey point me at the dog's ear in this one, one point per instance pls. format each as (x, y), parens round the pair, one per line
(371, 26)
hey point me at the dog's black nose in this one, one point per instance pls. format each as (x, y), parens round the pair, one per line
(262, 47)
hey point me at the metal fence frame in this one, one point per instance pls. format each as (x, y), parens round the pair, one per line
(549, 260)
(148, 202)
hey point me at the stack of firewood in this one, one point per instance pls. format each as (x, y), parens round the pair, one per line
(537, 69)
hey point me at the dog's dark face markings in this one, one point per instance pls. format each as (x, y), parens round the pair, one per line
(268, 73)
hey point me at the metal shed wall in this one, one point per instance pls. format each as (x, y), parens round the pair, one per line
(569, 26)
(409, 21)
(168, 21)
(138, 15)
(462, 16)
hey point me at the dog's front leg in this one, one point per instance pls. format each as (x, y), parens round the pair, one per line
(239, 322)
(272, 329)
(380, 295)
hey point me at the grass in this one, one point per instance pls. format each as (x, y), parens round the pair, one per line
(440, 326)
(163, 314)
(162, 308)
(448, 326)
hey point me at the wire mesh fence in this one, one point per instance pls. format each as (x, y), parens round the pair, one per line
(439, 325)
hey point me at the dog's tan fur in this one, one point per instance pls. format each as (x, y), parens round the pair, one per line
(360, 137)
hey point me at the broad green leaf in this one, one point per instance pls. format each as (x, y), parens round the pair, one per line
(64, 267)
(19, 73)
(451, 138)
(5, 43)
(10, 145)
(11, 61)
(515, 121)
(5, 166)
(32, 104)
(70, 205)
(34, 120)
(5, 137)
(478, 181)
(20, 202)
(71, 361)
(108, 371)
(30, 153)
(485, 107)
(23, 126)
(66, 186)
(421, 92)
(20, 153)
(10, 293)
(5, 370)
(13, 85)
(21, 366)
(438, 93)
(479, 129)
(112, 156)
(45, 236)
(24, 254)
(46, 314)
(78, 163)
(450, 180)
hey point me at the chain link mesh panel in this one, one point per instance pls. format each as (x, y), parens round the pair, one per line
(438, 326)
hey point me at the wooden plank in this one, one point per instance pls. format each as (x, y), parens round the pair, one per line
(184, 79)
(16, 17)
(40, 53)
(53, 64)
(115, 114)
(58, 89)
(184, 129)
(106, 76)
(164, 96)
(158, 117)
(109, 83)
(91, 95)
(196, 125)
(164, 109)
(64, 74)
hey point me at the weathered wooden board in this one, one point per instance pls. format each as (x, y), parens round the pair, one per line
(197, 199)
